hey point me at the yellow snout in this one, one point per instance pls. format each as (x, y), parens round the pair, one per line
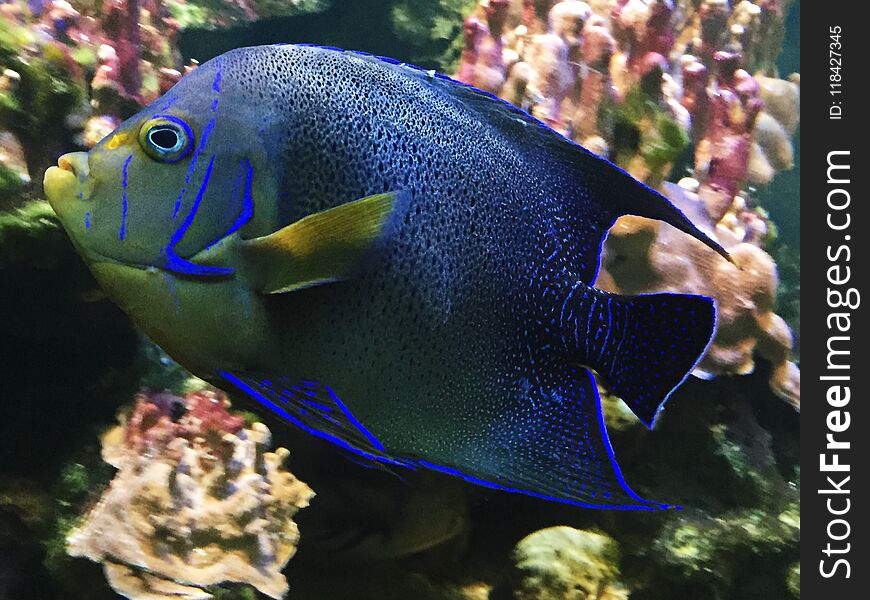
(67, 180)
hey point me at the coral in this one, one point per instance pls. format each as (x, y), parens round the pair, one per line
(42, 86)
(637, 79)
(776, 124)
(753, 29)
(563, 563)
(482, 61)
(722, 154)
(645, 256)
(196, 501)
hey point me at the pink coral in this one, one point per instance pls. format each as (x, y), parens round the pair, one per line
(643, 27)
(695, 98)
(121, 23)
(474, 31)
(482, 61)
(722, 156)
(597, 48)
(160, 417)
(535, 14)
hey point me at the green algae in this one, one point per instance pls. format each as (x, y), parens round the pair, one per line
(434, 27)
(49, 87)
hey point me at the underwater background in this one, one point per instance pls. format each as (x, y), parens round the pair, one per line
(699, 98)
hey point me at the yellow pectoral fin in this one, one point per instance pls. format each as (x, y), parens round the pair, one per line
(319, 248)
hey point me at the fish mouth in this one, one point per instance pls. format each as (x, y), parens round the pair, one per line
(67, 189)
(68, 181)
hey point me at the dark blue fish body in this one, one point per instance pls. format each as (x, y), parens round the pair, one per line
(463, 340)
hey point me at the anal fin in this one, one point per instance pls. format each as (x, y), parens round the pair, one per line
(314, 408)
(552, 444)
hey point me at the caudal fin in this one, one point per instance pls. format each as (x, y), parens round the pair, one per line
(643, 346)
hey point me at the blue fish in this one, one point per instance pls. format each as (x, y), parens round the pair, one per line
(389, 260)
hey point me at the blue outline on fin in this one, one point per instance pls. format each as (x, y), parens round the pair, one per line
(355, 422)
(315, 432)
(701, 356)
(413, 464)
(620, 478)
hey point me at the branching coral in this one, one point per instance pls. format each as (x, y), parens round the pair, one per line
(637, 78)
(196, 501)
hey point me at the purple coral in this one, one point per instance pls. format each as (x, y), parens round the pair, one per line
(474, 31)
(121, 23)
(643, 28)
(723, 154)
(482, 61)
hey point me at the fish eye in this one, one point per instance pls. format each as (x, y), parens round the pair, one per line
(166, 138)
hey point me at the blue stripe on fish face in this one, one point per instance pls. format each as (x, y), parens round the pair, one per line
(175, 262)
(124, 181)
(246, 170)
(181, 265)
(216, 83)
(216, 86)
(169, 104)
(186, 207)
(192, 168)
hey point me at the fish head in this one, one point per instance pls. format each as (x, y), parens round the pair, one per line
(151, 207)
(175, 179)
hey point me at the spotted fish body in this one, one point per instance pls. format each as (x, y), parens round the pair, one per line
(459, 339)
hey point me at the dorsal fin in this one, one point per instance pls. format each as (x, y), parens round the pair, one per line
(623, 194)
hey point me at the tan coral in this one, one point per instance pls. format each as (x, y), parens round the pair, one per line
(644, 256)
(551, 78)
(192, 506)
(563, 563)
(772, 149)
